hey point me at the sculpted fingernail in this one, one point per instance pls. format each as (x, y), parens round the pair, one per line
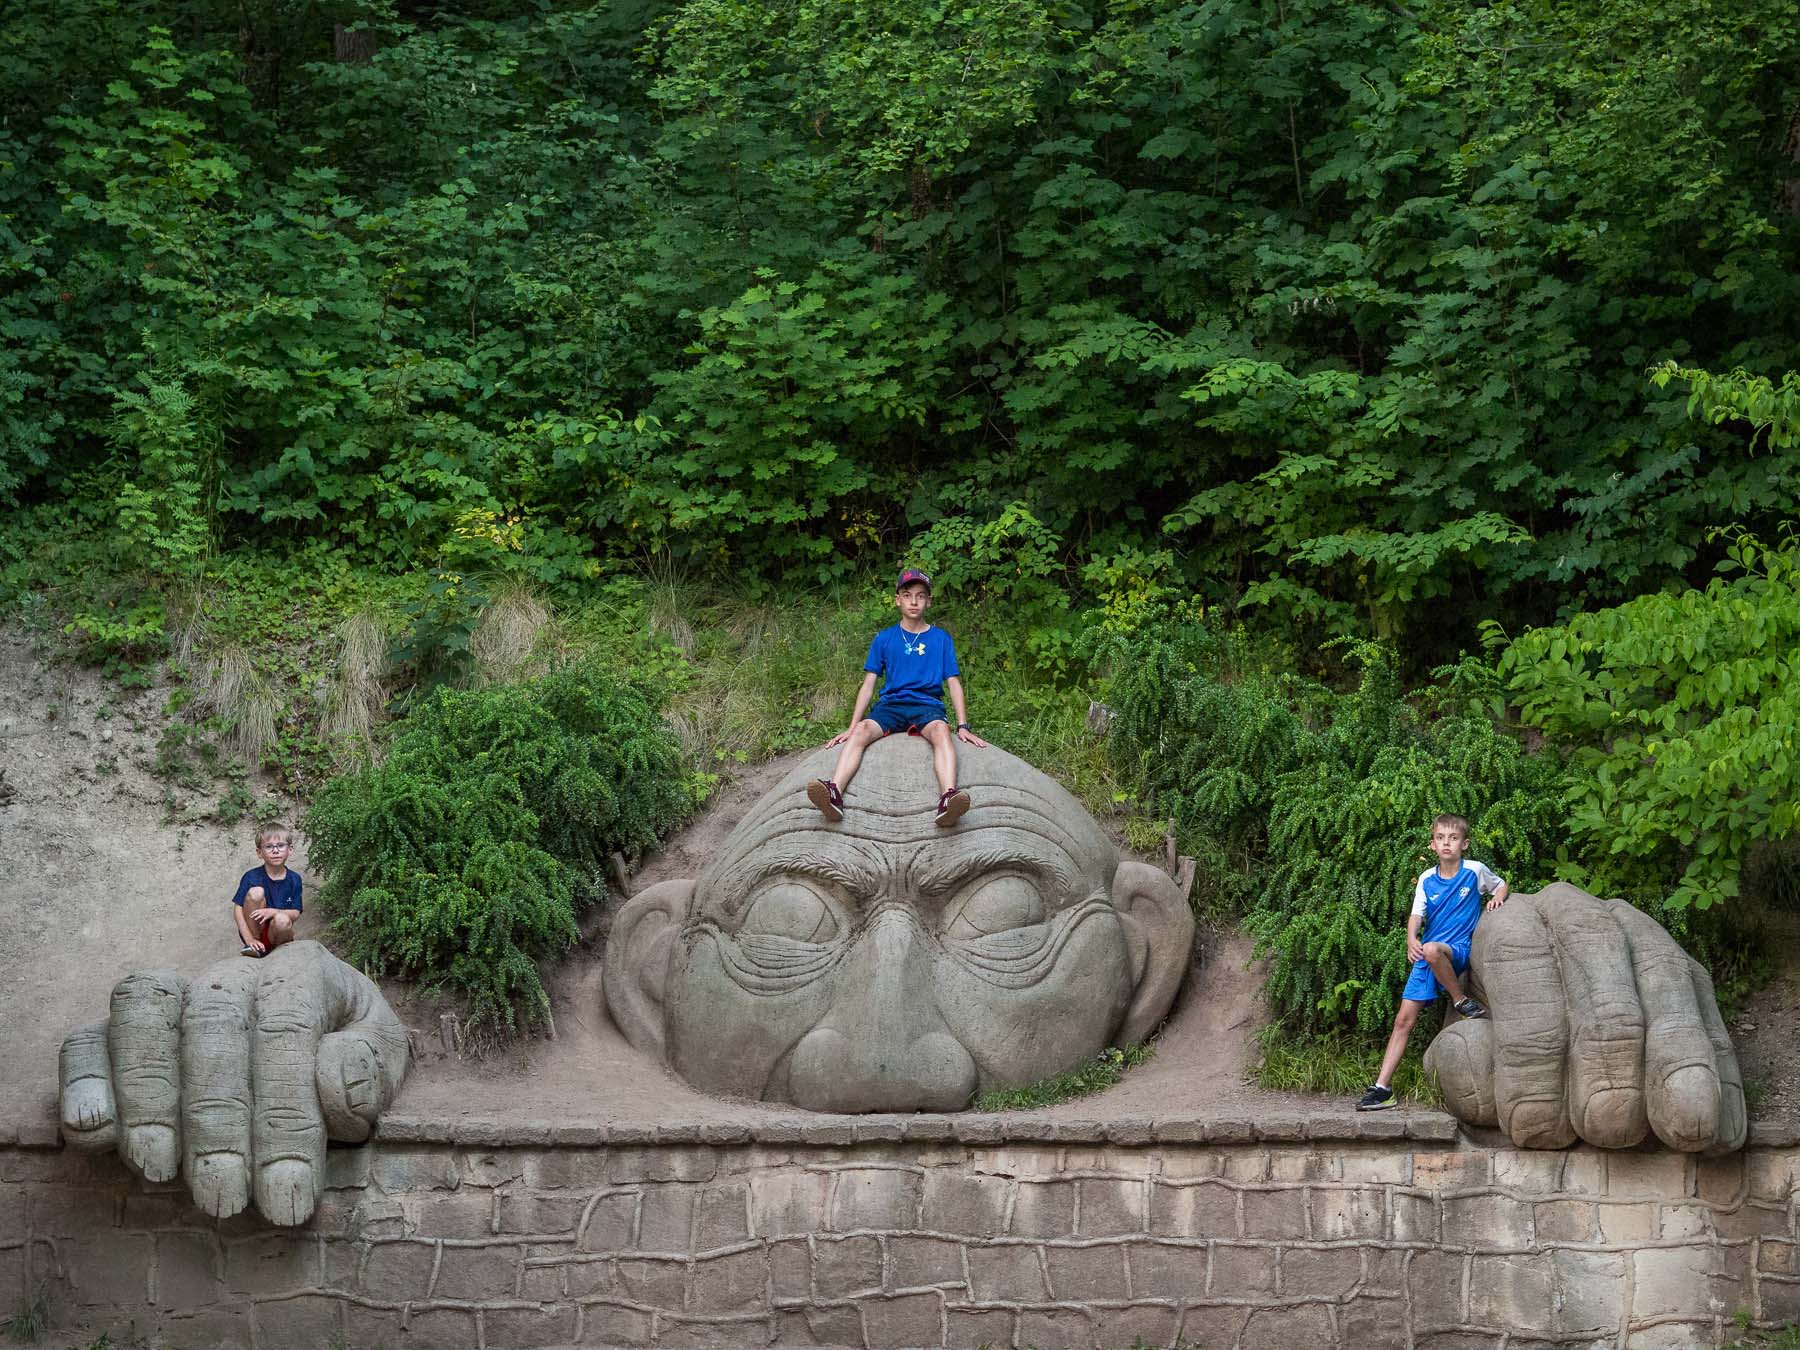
(154, 1151)
(1685, 1109)
(87, 1105)
(284, 1191)
(1540, 1124)
(1614, 1118)
(220, 1183)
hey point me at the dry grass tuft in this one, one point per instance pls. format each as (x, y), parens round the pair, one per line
(187, 631)
(671, 597)
(509, 636)
(231, 690)
(357, 693)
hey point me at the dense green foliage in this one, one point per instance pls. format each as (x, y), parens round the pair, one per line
(1344, 1066)
(463, 858)
(1682, 710)
(1314, 807)
(1347, 307)
(1679, 708)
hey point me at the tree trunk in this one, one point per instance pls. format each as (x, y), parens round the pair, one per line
(1790, 188)
(352, 48)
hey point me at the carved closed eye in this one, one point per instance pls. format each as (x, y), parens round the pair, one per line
(790, 909)
(994, 906)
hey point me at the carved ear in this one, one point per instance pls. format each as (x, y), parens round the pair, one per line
(1159, 928)
(637, 961)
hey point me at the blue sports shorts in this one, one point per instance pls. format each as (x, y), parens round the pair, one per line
(1422, 986)
(910, 714)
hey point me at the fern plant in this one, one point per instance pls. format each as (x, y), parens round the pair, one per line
(1315, 804)
(463, 859)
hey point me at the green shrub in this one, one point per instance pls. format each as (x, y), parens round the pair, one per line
(463, 859)
(1680, 712)
(1309, 808)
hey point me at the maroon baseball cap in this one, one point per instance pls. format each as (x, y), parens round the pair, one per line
(910, 575)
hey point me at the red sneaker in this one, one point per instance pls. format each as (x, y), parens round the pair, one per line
(951, 806)
(824, 794)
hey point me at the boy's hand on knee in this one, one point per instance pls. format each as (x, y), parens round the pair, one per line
(1415, 950)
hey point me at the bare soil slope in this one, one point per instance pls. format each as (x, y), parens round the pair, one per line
(95, 879)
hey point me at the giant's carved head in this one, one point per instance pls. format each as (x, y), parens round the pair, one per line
(884, 964)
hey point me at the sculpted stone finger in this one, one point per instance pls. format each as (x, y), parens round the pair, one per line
(89, 1116)
(287, 1130)
(1530, 1015)
(1734, 1117)
(361, 1065)
(1462, 1059)
(215, 1068)
(1681, 1076)
(1606, 1019)
(144, 1043)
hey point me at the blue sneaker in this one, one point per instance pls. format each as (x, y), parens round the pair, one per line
(1377, 1098)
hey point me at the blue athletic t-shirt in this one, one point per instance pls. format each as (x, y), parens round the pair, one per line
(1451, 905)
(913, 666)
(283, 894)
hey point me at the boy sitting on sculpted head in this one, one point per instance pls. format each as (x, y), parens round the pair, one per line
(916, 663)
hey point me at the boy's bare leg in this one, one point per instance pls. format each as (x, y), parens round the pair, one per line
(864, 734)
(943, 754)
(1437, 956)
(1396, 1046)
(281, 928)
(254, 899)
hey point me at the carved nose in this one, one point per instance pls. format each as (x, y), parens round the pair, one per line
(883, 1046)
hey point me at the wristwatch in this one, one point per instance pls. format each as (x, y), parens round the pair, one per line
(962, 726)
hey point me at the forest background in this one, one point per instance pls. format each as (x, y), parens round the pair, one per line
(502, 419)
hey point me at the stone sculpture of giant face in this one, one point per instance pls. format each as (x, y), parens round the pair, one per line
(884, 964)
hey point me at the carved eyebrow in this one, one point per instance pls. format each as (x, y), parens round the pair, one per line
(941, 870)
(845, 869)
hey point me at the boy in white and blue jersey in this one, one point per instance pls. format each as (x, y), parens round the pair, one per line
(1447, 903)
(916, 664)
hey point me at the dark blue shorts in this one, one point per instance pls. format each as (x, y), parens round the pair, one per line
(907, 714)
(1422, 986)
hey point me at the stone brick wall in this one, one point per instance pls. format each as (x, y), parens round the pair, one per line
(881, 1240)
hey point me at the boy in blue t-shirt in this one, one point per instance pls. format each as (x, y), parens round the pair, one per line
(916, 664)
(1446, 905)
(268, 899)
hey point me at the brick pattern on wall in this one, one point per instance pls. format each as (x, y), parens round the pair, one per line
(1236, 1247)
